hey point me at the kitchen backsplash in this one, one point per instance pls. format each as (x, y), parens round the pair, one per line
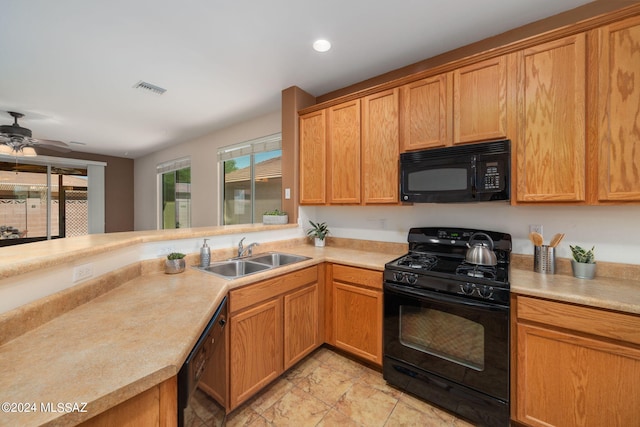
(613, 230)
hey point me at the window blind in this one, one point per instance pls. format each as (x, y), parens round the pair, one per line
(174, 165)
(253, 146)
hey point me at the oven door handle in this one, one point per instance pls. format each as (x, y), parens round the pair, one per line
(416, 292)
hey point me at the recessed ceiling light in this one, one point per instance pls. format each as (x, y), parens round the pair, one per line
(321, 45)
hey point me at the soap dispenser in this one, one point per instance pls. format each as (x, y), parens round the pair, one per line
(205, 255)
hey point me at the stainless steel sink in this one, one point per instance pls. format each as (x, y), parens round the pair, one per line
(277, 259)
(234, 268)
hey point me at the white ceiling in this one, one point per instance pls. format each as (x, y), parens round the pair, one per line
(70, 65)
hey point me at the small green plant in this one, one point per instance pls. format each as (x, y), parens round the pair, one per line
(318, 230)
(276, 212)
(175, 255)
(582, 255)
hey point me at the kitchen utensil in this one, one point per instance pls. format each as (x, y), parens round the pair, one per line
(555, 241)
(481, 252)
(536, 238)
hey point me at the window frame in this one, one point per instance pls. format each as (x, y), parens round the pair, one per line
(251, 148)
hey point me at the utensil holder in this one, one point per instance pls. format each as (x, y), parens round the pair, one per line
(544, 259)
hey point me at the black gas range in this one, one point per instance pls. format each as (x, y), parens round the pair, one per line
(446, 324)
(436, 261)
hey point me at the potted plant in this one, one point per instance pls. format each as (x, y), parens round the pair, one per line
(318, 231)
(275, 216)
(174, 263)
(583, 263)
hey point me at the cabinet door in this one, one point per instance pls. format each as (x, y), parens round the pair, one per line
(255, 350)
(569, 380)
(619, 111)
(426, 113)
(550, 148)
(380, 147)
(357, 321)
(214, 379)
(480, 101)
(344, 152)
(301, 319)
(313, 158)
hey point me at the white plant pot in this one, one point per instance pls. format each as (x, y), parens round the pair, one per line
(275, 219)
(582, 270)
(319, 242)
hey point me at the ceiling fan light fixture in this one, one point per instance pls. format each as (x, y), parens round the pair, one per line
(29, 152)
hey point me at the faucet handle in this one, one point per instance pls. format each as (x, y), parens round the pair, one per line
(240, 242)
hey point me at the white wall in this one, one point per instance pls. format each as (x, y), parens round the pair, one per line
(205, 209)
(614, 230)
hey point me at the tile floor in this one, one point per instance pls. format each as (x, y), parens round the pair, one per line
(325, 389)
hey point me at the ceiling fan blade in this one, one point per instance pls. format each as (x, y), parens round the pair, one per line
(53, 145)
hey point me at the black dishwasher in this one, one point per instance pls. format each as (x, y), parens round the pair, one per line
(198, 360)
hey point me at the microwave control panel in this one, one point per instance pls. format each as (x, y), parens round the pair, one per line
(492, 176)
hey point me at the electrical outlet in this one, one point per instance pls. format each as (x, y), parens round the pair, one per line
(82, 272)
(537, 228)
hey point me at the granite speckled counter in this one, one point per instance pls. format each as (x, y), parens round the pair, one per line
(127, 340)
(137, 335)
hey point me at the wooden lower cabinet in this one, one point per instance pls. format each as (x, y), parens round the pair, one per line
(301, 334)
(575, 365)
(256, 349)
(272, 325)
(157, 406)
(356, 312)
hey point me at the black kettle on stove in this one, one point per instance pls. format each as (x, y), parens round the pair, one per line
(480, 252)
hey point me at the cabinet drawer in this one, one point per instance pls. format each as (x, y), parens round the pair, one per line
(359, 276)
(270, 288)
(613, 325)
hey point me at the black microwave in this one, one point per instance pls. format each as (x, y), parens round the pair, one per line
(466, 173)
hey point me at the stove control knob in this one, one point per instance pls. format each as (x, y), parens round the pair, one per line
(412, 279)
(486, 292)
(467, 289)
(397, 276)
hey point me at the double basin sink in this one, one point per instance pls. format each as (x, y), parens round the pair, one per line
(240, 267)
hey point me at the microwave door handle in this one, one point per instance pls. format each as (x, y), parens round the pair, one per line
(473, 176)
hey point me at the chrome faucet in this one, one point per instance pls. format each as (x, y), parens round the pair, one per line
(248, 251)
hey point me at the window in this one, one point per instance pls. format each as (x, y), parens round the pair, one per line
(42, 201)
(251, 179)
(175, 193)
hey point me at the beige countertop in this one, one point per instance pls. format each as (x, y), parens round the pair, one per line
(608, 293)
(136, 336)
(127, 340)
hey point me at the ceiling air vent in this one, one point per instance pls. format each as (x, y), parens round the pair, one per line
(157, 90)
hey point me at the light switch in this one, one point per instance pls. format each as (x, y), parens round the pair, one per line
(287, 193)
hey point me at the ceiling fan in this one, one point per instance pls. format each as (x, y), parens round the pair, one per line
(17, 141)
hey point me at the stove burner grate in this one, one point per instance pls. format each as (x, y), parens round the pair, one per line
(418, 261)
(474, 270)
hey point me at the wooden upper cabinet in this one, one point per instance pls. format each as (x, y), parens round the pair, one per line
(618, 107)
(426, 113)
(344, 152)
(313, 158)
(480, 101)
(550, 146)
(380, 147)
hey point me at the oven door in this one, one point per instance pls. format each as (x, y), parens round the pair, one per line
(464, 341)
